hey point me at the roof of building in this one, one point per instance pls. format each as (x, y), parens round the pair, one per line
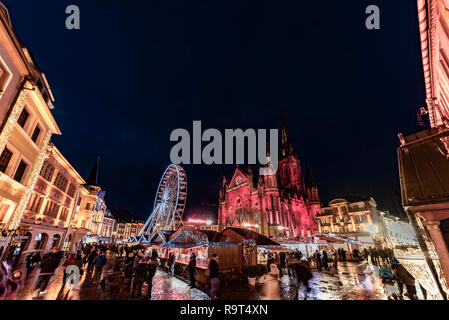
(123, 215)
(92, 179)
(352, 198)
(251, 235)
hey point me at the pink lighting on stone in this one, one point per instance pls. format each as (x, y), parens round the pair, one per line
(283, 204)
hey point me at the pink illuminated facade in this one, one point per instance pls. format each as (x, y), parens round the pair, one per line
(280, 205)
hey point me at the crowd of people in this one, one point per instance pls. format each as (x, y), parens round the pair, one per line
(137, 267)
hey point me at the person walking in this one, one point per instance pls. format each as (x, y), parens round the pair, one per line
(78, 262)
(139, 256)
(139, 278)
(127, 274)
(324, 260)
(191, 269)
(404, 278)
(152, 269)
(30, 263)
(48, 267)
(90, 260)
(282, 263)
(335, 259)
(214, 276)
(343, 255)
(171, 264)
(99, 263)
(67, 262)
(356, 255)
(303, 275)
(317, 257)
(271, 284)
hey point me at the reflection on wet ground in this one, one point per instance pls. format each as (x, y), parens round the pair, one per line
(352, 281)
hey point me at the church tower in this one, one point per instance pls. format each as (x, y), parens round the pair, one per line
(311, 188)
(289, 165)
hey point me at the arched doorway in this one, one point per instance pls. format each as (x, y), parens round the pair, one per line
(41, 241)
(19, 245)
(55, 241)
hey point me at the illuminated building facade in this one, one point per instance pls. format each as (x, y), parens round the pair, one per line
(283, 204)
(423, 157)
(108, 231)
(89, 218)
(52, 205)
(126, 226)
(349, 217)
(396, 232)
(27, 125)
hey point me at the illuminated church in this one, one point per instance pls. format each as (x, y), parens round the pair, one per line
(280, 205)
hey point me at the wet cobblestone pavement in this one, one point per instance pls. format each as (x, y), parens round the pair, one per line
(352, 281)
(164, 288)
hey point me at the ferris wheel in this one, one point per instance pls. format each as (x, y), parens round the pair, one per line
(170, 201)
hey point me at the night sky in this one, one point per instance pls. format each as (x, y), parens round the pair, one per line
(139, 69)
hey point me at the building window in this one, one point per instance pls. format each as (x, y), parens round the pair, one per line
(61, 182)
(5, 158)
(64, 214)
(3, 211)
(20, 171)
(36, 134)
(23, 118)
(71, 191)
(47, 171)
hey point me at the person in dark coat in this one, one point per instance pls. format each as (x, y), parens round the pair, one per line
(303, 275)
(214, 276)
(356, 255)
(90, 261)
(99, 262)
(343, 255)
(324, 260)
(140, 277)
(128, 273)
(191, 268)
(48, 267)
(30, 263)
(317, 257)
(404, 278)
(171, 264)
(152, 268)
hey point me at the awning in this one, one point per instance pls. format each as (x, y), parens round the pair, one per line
(424, 167)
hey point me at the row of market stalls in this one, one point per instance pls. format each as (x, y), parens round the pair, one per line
(236, 247)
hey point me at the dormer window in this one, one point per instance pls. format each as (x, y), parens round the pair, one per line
(23, 118)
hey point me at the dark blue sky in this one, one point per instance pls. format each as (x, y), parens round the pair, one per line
(139, 69)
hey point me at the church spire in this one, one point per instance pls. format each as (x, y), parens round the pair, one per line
(92, 179)
(286, 144)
